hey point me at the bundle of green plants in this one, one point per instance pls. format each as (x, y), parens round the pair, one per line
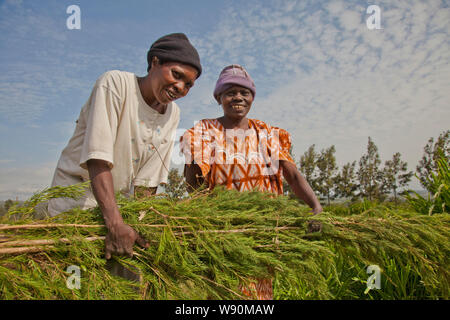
(438, 200)
(207, 245)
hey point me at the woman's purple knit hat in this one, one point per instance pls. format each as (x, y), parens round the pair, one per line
(233, 75)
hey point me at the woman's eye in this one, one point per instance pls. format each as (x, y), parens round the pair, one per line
(176, 74)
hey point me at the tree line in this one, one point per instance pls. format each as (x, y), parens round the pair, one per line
(5, 206)
(367, 178)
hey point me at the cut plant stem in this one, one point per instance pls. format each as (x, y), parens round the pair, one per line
(46, 241)
(20, 250)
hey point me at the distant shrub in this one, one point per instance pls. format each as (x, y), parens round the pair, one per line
(438, 200)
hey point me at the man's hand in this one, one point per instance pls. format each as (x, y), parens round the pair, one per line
(120, 240)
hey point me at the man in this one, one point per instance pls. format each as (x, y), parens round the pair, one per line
(124, 136)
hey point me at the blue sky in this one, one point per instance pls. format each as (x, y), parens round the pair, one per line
(320, 73)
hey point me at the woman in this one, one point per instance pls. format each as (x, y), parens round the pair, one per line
(242, 153)
(123, 137)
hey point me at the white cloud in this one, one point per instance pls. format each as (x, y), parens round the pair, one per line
(320, 74)
(22, 182)
(330, 86)
(46, 62)
(351, 19)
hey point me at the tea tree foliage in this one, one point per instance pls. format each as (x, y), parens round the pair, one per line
(206, 245)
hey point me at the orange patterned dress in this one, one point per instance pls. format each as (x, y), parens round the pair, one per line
(238, 159)
(243, 160)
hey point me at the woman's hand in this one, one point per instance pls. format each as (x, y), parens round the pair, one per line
(120, 237)
(194, 177)
(314, 226)
(317, 209)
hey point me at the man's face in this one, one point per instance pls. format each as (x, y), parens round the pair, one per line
(236, 102)
(172, 80)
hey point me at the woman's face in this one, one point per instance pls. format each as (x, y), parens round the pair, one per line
(171, 80)
(236, 102)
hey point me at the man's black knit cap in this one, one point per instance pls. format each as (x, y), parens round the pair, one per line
(175, 47)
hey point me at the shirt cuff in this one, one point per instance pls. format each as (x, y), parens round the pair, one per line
(98, 156)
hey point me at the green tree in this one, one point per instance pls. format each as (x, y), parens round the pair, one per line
(327, 172)
(8, 204)
(428, 164)
(308, 166)
(369, 174)
(439, 188)
(346, 183)
(395, 174)
(176, 186)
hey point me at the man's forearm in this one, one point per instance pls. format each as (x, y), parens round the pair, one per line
(103, 189)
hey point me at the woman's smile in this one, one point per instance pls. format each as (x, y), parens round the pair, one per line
(238, 107)
(172, 96)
